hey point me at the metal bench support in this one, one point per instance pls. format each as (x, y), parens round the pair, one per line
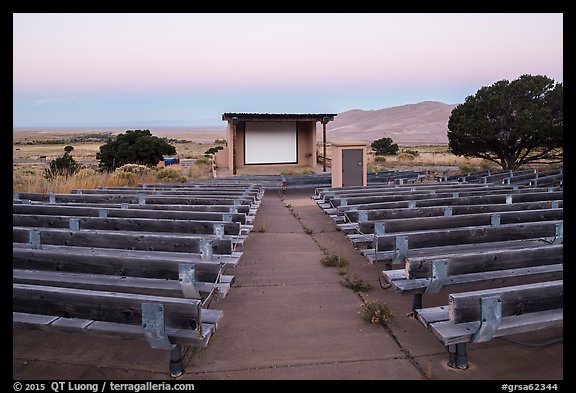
(439, 276)
(218, 230)
(34, 240)
(187, 275)
(155, 333)
(457, 356)
(400, 249)
(417, 302)
(176, 368)
(74, 224)
(490, 318)
(206, 250)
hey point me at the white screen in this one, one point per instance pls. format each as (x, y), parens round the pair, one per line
(269, 142)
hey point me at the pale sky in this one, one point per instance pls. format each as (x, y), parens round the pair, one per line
(188, 69)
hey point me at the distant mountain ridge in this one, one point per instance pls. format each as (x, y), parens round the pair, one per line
(422, 123)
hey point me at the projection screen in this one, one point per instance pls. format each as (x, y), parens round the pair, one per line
(269, 142)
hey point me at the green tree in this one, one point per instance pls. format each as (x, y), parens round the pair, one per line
(68, 149)
(61, 166)
(133, 147)
(510, 123)
(384, 147)
(213, 150)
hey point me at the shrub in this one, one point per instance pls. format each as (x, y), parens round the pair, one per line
(170, 175)
(357, 284)
(202, 161)
(135, 146)
(220, 141)
(130, 174)
(61, 166)
(334, 261)
(373, 168)
(213, 150)
(384, 146)
(415, 153)
(308, 172)
(342, 270)
(376, 312)
(85, 173)
(379, 159)
(136, 169)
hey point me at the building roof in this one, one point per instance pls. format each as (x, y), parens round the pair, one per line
(279, 116)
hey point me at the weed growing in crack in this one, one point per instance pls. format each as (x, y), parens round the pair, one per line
(356, 284)
(376, 312)
(334, 261)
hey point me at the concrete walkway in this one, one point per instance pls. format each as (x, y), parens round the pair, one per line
(288, 317)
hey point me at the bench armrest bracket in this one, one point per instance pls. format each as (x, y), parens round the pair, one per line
(206, 250)
(490, 318)
(400, 249)
(187, 276)
(439, 276)
(154, 326)
(219, 230)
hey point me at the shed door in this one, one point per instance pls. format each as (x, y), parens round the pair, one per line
(352, 167)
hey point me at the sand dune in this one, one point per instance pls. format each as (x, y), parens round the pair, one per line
(421, 123)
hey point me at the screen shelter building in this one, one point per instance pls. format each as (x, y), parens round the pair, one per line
(271, 139)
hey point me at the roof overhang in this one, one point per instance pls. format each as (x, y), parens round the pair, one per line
(321, 117)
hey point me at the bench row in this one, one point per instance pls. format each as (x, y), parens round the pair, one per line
(128, 269)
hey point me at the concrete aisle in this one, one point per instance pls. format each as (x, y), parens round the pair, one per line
(288, 317)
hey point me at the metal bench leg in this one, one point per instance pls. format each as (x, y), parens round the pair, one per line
(176, 368)
(457, 356)
(417, 302)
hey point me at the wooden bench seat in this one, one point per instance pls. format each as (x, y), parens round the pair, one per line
(136, 206)
(424, 198)
(134, 199)
(144, 263)
(399, 242)
(127, 224)
(433, 273)
(479, 316)
(365, 229)
(123, 284)
(165, 322)
(435, 211)
(124, 239)
(85, 211)
(503, 198)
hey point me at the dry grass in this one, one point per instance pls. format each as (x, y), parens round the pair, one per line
(86, 151)
(29, 176)
(63, 184)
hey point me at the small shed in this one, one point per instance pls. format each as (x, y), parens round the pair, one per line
(286, 139)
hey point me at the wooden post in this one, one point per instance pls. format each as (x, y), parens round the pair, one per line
(234, 124)
(324, 121)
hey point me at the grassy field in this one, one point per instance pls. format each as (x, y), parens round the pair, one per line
(33, 151)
